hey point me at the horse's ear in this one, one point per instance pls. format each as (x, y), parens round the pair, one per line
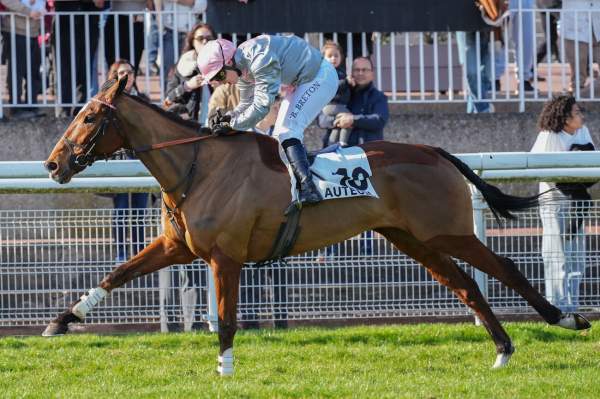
(114, 88)
(122, 84)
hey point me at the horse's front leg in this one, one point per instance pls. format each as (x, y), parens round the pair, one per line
(160, 253)
(226, 272)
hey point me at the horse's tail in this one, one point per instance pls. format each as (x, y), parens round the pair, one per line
(499, 203)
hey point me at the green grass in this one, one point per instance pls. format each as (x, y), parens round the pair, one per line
(412, 361)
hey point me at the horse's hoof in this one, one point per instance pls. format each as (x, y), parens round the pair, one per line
(573, 321)
(60, 325)
(501, 360)
(55, 329)
(503, 357)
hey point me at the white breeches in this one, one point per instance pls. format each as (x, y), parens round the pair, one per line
(299, 108)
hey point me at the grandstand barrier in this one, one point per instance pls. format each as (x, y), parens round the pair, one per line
(410, 67)
(50, 257)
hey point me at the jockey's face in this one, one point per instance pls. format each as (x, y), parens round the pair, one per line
(227, 74)
(231, 75)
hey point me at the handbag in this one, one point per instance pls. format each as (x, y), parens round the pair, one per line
(578, 193)
(492, 11)
(490, 7)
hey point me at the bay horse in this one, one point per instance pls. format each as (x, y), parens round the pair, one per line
(226, 196)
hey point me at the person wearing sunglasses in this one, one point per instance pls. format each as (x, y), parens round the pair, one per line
(185, 95)
(261, 67)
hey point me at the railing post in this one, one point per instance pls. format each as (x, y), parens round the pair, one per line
(520, 62)
(479, 207)
(212, 317)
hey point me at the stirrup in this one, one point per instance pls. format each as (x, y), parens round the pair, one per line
(309, 193)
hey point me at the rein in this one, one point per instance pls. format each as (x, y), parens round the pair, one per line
(166, 144)
(86, 158)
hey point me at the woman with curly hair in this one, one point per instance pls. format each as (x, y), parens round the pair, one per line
(563, 241)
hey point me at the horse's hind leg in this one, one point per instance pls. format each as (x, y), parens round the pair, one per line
(447, 272)
(160, 253)
(226, 272)
(472, 251)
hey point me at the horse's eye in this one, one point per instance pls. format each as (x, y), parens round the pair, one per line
(89, 119)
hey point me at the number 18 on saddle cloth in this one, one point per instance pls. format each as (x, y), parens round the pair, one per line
(342, 173)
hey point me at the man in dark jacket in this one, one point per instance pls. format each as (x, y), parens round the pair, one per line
(367, 117)
(368, 106)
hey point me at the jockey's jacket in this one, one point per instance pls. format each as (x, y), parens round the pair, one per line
(268, 62)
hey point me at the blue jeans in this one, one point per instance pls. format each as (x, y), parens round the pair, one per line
(528, 24)
(127, 218)
(499, 62)
(152, 54)
(169, 57)
(467, 47)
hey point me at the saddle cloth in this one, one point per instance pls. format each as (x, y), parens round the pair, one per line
(338, 173)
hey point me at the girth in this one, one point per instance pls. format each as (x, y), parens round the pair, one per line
(286, 238)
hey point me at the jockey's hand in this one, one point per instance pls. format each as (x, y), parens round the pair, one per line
(221, 129)
(219, 122)
(218, 117)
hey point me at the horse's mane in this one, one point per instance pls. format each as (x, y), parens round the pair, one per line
(170, 115)
(267, 145)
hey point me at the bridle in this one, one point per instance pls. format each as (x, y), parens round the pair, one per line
(85, 158)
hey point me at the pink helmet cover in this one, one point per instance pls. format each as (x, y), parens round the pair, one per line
(213, 56)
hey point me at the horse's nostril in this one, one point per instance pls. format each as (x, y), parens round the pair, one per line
(50, 166)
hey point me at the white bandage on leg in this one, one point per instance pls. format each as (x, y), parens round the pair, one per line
(87, 302)
(225, 366)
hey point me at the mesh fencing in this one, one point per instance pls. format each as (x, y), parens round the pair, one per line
(49, 258)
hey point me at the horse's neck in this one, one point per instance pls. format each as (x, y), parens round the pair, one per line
(144, 126)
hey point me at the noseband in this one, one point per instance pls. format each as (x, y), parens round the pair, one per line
(83, 159)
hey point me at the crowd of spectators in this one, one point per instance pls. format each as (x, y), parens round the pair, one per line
(74, 41)
(84, 35)
(579, 22)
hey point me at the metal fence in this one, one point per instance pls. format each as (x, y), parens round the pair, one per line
(49, 258)
(425, 67)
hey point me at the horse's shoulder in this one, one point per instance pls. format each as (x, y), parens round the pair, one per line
(384, 153)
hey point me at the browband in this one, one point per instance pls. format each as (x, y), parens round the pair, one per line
(109, 105)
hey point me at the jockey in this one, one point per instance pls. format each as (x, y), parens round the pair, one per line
(261, 67)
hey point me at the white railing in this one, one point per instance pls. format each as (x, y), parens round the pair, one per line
(50, 257)
(410, 67)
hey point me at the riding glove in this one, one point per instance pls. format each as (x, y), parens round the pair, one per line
(219, 123)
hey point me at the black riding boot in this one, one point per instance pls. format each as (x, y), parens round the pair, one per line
(296, 154)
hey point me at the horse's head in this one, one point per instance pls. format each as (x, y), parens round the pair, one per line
(92, 135)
